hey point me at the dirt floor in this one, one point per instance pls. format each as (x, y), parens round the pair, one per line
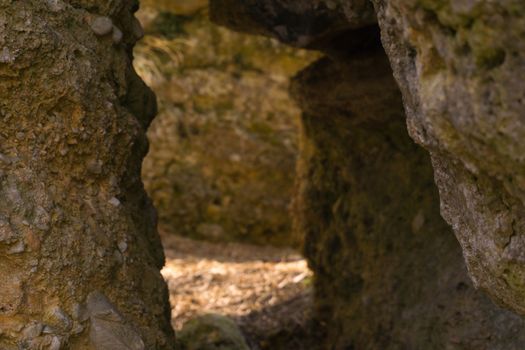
(265, 289)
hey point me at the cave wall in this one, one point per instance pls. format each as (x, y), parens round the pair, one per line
(79, 252)
(389, 273)
(460, 66)
(221, 165)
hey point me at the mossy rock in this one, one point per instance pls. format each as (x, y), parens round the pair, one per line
(211, 332)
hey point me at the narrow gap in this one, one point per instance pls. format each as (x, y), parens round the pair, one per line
(221, 171)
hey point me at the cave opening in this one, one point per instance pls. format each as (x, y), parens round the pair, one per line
(221, 171)
(80, 255)
(388, 270)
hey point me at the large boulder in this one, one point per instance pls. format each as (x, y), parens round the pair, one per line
(460, 66)
(389, 273)
(79, 252)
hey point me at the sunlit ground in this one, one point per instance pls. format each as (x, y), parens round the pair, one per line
(251, 284)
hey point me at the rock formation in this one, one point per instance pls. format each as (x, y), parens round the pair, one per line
(79, 252)
(389, 272)
(223, 148)
(460, 66)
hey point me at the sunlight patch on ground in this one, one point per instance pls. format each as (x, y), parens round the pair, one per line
(230, 279)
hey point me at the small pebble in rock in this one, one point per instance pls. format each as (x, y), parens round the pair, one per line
(117, 35)
(95, 167)
(101, 252)
(102, 26)
(18, 248)
(6, 56)
(122, 246)
(236, 158)
(114, 201)
(55, 5)
(55, 344)
(61, 318)
(117, 257)
(33, 330)
(49, 330)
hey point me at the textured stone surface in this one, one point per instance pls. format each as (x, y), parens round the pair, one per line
(223, 149)
(211, 332)
(460, 65)
(303, 23)
(389, 272)
(73, 115)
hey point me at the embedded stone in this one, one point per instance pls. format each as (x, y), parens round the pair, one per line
(102, 26)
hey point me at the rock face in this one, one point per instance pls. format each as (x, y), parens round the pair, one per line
(74, 218)
(223, 149)
(460, 66)
(389, 272)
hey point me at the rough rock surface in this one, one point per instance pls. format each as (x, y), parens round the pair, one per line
(310, 24)
(74, 218)
(223, 149)
(460, 65)
(389, 272)
(211, 332)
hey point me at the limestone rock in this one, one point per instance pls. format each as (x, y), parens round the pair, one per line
(389, 273)
(460, 66)
(72, 138)
(108, 328)
(385, 278)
